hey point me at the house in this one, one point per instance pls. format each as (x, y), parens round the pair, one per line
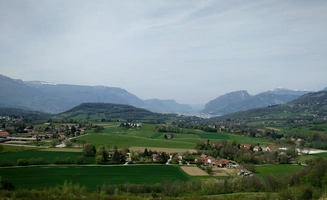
(4, 134)
(223, 163)
(271, 148)
(204, 159)
(155, 157)
(257, 148)
(245, 146)
(299, 141)
(62, 136)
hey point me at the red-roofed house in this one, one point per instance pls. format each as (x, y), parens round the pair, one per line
(245, 146)
(223, 163)
(4, 134)
(271, 148)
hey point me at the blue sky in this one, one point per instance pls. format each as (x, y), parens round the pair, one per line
(191, 51)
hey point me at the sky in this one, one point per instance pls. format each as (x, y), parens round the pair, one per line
(191, 51)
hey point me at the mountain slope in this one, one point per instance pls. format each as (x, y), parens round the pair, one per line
(16, 94)
(241, 100)
(56, 98)
(76, 94)
(312, 105)
(17, 112)
(162, 106)
(227, 103)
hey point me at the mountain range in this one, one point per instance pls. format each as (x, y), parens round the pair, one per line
(311, 106)
(57, 98)
(242, 100)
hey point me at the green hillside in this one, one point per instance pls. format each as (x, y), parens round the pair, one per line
(312, 106)
(108, 111)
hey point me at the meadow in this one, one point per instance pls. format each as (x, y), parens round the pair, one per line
(149, 137)
(49, 156)
(91, 176)
(276, 170)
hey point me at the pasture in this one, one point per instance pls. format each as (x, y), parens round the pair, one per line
(91, 176)
(276, 170)
(147, 136)
(303, 158)
(49, 156)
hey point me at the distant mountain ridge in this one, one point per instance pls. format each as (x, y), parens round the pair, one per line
(242, 100)
(163, 106)
(56, 98)
(311, 105)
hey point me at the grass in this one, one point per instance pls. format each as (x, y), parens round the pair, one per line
(303, 158)
(8, 148)
(91, 176)
(276, 170)
(49, 156)
(149, 137)
(324, 155)
(122, 141)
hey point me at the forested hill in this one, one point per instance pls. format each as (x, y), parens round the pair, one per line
(108, 111)
(17, 112)
(312, 105)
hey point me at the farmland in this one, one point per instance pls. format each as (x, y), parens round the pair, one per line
(91, 176)
(147, 136)
(276, 170)
(49, 156)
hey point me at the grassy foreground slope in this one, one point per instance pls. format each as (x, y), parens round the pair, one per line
(91, 176)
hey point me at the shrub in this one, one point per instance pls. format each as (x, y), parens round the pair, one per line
(5, 163)
(60, 161)
(80, 160)
(22, 162)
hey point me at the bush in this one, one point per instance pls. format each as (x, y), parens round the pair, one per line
(5, 163)
(6, 185)
(31, 161)
(80, 160)
(89, 150)
(60, 161)
(22, 162)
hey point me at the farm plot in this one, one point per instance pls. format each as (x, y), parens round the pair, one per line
(194, 171)
(49, 156)
(277, 170)
(127, 141)
(158, 149)
(91, 176)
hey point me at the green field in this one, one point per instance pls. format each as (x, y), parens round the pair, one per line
(49, 156)
(148, 136)
(303, 158)
(91, 176)
(276, 170)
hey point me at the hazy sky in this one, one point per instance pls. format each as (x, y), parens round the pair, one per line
(191, 51)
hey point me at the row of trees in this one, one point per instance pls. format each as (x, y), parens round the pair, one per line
(236, 152)
(103, 153)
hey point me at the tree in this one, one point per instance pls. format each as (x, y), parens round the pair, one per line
(89, 150)
(73, 129)
(101, 155)
(145, 153)
(116, 156)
